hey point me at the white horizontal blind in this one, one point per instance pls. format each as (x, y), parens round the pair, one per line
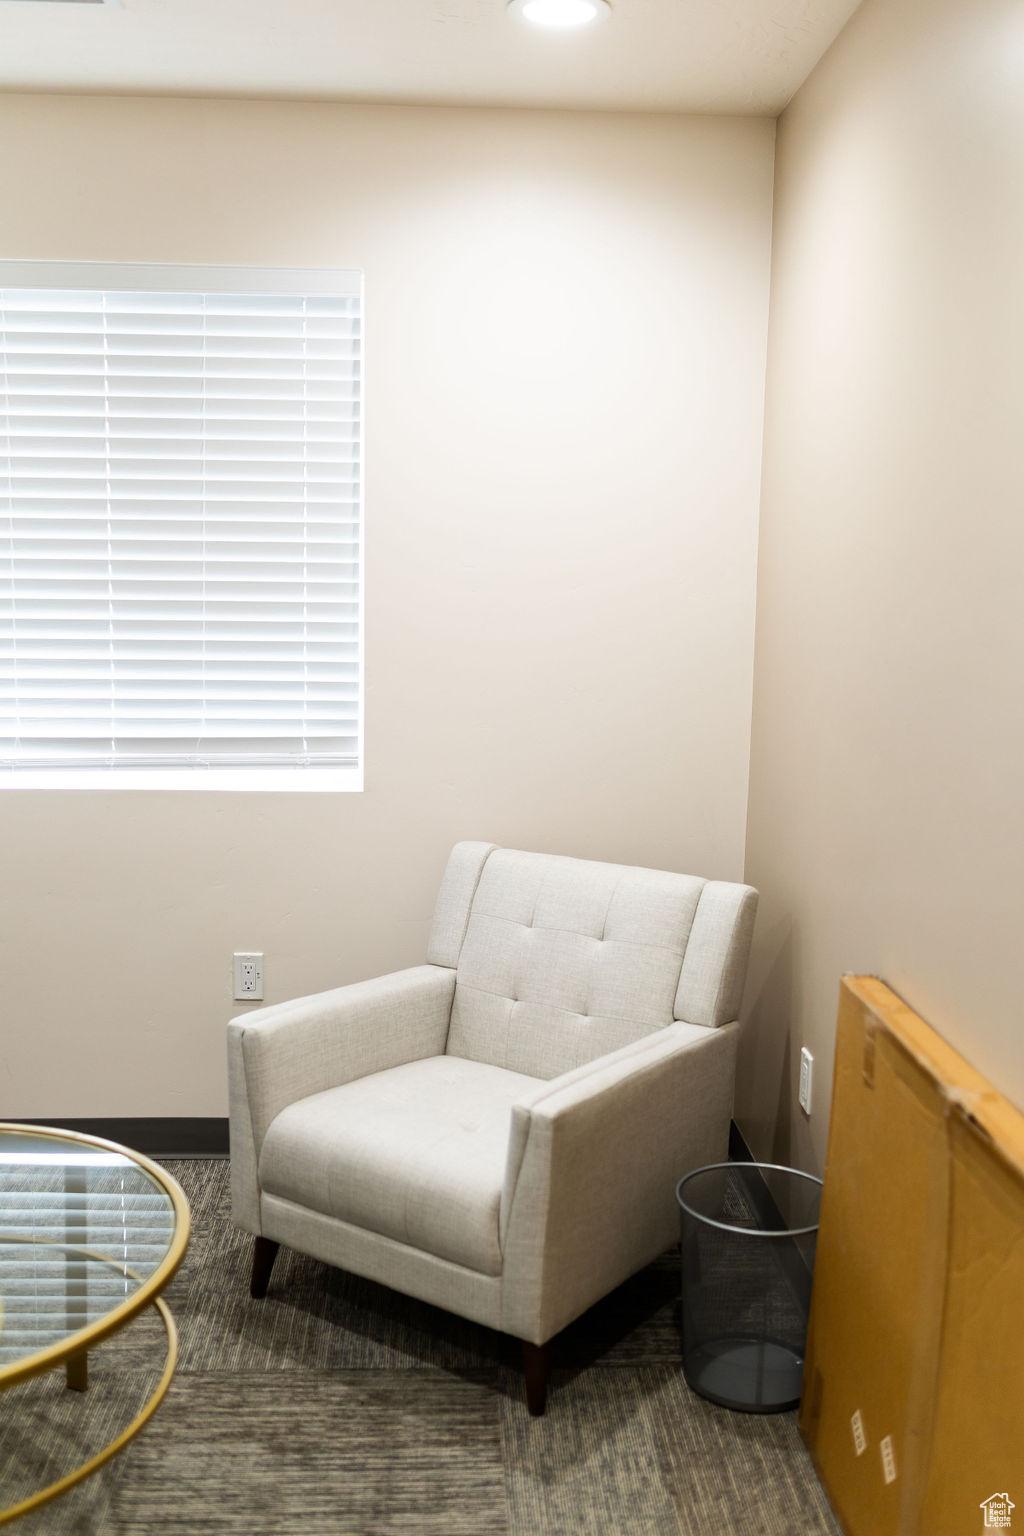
(182, 484)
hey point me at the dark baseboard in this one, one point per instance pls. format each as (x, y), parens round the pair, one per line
(162, 1136)
(796, 1260)
(739, 1152)
(768, 1213)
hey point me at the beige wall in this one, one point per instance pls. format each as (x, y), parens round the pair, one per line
(567, 318)
(885, 823)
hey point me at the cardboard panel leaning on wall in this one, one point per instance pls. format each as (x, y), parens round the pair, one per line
(914, 1366)
(977, 1448)
(876, 1302)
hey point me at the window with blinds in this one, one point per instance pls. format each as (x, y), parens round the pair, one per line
(180, 527)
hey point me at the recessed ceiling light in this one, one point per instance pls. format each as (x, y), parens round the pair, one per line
(560, 13)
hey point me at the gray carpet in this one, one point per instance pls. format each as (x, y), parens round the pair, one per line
(338, 1408)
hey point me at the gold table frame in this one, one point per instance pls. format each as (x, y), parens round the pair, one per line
(73, 1351)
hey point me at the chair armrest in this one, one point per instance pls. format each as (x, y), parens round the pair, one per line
(593, 1161)
(280, 1054)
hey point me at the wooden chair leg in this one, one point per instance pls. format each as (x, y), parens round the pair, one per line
(535, 1369)
(263, 1255)
(76, 1373)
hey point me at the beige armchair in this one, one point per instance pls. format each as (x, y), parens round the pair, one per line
(500, 1131)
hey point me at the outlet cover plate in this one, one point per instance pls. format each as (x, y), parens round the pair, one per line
(806, 1079)
(249, 977)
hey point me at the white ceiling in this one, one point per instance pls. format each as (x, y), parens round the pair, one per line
(745, 56)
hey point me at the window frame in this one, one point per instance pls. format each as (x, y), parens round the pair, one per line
(160, 277)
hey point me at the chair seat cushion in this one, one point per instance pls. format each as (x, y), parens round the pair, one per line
(416, 1153)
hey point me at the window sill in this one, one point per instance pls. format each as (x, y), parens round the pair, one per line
(261, 780)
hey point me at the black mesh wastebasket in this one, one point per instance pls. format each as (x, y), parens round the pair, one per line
(748, 1238)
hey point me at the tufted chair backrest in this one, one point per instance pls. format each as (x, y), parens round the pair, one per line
(559, 960)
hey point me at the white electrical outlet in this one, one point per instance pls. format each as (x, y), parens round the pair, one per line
(806, 1078)
(249, 978)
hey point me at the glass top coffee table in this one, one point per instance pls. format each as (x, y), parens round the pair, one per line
(90, 1234)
